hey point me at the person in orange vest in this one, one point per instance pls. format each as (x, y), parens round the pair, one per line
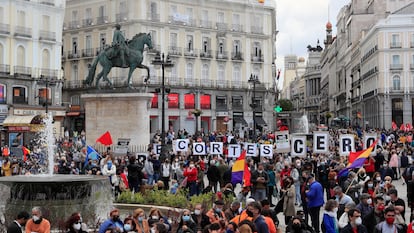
(216, 214)
(6, 151)
(243, 215)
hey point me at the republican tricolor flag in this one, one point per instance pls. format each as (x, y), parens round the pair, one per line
(358, 159)
(240, 172)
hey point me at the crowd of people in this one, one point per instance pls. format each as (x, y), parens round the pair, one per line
(299, 189)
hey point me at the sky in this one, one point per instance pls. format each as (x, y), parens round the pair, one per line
(301, 23)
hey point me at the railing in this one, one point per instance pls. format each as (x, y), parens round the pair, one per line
(238, 56)
(206, 24)
(174, 51)
(256, 29)
(412, 44)
(73, 54)
(49, 72)
(221, 26)
(396, 66)
(155, 49)
(190, 53)
(120, 17)
(4, 68)
(237, 27)
(101, 20)
(206, 82)
(395, 45)
(22, 31)
(24, 70)
(88, 52)
(47, 35)
(206, 54)
(153, 17)
(411, 66)
(48, 2)
(87, 22)
(222, 55)
(257, 58)
(74, 24)
(4, 28)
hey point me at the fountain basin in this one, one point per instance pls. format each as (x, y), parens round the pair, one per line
(58, 195)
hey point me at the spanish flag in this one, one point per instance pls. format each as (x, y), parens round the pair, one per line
(25, 153)
(240, 172)
(360, 160)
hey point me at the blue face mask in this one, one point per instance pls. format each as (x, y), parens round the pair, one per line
(140, 219)
(186, 218)
(109, 165)
(127, 227)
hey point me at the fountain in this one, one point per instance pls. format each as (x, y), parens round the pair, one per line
(58, 195)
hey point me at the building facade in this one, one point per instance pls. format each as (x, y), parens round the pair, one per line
(214, 51)
(30, 67)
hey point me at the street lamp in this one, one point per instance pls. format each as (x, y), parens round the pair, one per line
(47, 81)
(163, 62)
(254, 79)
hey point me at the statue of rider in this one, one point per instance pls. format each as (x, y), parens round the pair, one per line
(119, 40)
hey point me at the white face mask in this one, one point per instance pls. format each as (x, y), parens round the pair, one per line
(155, 217)
(369, 201)
(197, 212)
(335, 209)
(358, 221)
(153, 230)
(77, 226)
(378, 178)
(35, 218)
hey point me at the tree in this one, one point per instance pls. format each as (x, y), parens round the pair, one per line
(286, 104)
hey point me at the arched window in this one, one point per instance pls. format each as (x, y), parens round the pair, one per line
(189, 72)
(45, 59)
(1, 54)
(75, 71)
(20, 56)
(3, 93)
(236, 76)
(396, 83)
(204, 72)
(220, 75)
(19, 95)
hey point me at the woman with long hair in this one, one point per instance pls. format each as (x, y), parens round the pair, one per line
(289, 194)
(329, 222)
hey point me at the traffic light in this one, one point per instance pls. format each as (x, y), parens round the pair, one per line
(278, 108)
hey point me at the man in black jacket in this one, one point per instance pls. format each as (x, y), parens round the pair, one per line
(376, 216)
(16, 225)
(134, 174)
(355, 223)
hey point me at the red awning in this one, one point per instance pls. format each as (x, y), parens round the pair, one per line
(153, 117)
(73, 114)
(189, 101)
(154, 101)
(173, 100)
(172, 117)
(205, 101)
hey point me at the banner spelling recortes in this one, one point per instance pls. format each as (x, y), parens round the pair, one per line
(298, 146)
(369, 139)
(282, 141)
(346, 144)
(321, 142)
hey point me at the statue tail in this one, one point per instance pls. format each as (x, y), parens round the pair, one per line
(91, 73)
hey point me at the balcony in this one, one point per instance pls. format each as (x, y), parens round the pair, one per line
(23, 31)
(153, 16)
(222, 55)
(221, 26)
(237, 27)
(49, 73)
(205, 24)
(47, 2)
(74, 54)
(87, 22)
(23, 70)
(47, 35)
(394, 45)
(74, 24)
(237, 56)
(256, 29)
(206, 82)
(101, 20)
(396, 66)
(4, 69)
(4, 28)
(257, 58)
(88, 52)
(191, 53)
(174, 51)
(121, 17)
(206, 54)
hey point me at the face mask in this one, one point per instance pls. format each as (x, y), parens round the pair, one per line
(335, 209)
(249, 213)
(35, 218)
(298, 165)
(381, 207)
(385, 165)
(186, 218)
(322, 164)
(369, 201)
(390, 220)
(197, 212)
(191, 165)
(155, 217)
(127, 227)
(153, 230)
(370, 185)
(296, 226)
(358, 221)
(140, 219)
(218, 210)
(378, 178)
(109, 165)
(77, 226)
(115, 218)
(387, 198)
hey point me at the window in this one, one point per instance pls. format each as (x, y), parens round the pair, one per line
(75, 71)
(46, 22)
(236, 76)
(1, 54)
(44, 94)
(102, 37)
(221, 46)
(395, 59)
(88, 42)
(1, 14)
(101, 11)
(21, 18)
(204, 72)
(205, 101)
(395, 41)
(153, 34)
(88, 14)
(45, 59)
(123, 8)
(396, 83)
(173, 100)
(153, 10)
(236, 19)
(173, 40)
(220, 74)
(206, 44)
(257, 51)
(221, 102)
(74, 45)
(21, 54)
(412, 41)
(189, 43)
(237, 102)
(189, 101)
(189, 12)
(75, 100)
(2, 93)
(204, 18)
(189, 73)
(173, 10)
(154, 101)
(19, 95)
(220, 17)
(74, 15)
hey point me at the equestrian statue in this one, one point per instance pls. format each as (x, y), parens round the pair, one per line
(123, 53)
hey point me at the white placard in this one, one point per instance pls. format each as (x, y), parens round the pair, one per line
(266, 150)
(181, 144)
(251, 149)
(282, 141)
(199, 148)
(234, 150)
(298, 146)
(320, 142)
(157, 149)
(216, 148)
(346, 144)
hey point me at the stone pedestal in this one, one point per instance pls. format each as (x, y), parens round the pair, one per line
(124, 115)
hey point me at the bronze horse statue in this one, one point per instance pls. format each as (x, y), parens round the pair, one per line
(108, 58)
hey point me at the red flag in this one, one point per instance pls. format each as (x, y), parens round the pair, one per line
(354, 155)
(25, 153)
(246, 176)
(105, 139)
(393, 125)
(402, 127)
(408, 127)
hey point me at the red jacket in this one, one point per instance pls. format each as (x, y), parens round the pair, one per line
(191, 174)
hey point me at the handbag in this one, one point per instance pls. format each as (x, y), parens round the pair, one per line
(279, 205)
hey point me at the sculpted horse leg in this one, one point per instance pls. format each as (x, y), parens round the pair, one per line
(141, 66)
(98, 77)
(105, 75)
(131, 70)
